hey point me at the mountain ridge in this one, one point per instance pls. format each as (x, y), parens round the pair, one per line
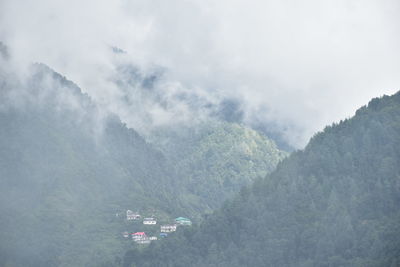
(67, 169)
(335, 203)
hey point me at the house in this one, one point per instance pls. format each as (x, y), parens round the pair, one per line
(183, 221)
(141, 238)
(149, 221)
(138, 236)
(130, 215)
(168, 228)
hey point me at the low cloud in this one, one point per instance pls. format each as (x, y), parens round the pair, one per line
(288, 65)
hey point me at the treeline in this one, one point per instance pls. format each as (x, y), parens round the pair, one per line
(335, 203)
(66, 170)
(62, 179)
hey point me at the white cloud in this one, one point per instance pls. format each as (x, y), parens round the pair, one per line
(300, 64)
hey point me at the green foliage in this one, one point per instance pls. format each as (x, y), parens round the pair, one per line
(335, 203)
(66, 170)
(63, 178)
(215, 159)
(60, 190)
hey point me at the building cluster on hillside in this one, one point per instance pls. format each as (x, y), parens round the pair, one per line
(130, 215)
(142, 238)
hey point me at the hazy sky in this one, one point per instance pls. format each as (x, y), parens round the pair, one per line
(299, 64)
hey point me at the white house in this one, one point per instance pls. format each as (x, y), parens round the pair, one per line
(140, 238)
(149, 221)
(168, 228)
(130, 215)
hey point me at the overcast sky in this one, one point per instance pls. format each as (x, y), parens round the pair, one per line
(299, 64)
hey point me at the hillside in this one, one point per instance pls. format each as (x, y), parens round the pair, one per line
(212, 155)
(215, 159)
(69, 172)
(65, 172)
(335, 203)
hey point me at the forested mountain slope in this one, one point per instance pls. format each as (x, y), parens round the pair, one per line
(67, 168)
(335, 203)
(213, 156)
(215, 159)
(65, 172)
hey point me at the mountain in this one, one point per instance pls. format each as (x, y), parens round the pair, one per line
(216, 159)
(69, 171)
(65, 173)
(335, 203)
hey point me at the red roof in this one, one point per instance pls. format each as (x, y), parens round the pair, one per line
(139, 233)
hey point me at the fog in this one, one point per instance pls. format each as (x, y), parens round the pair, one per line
(296, 66)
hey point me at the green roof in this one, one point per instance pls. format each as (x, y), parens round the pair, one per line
(182, 219)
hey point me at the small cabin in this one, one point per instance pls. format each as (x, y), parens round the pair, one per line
(168, 228)
(130, 215)
(183, 221)
(149, 221)
(139, 236)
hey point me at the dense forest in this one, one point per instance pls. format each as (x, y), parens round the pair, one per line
(216, 159)
(192, 133)
(335, 203)
(67, 171)
(66, 181)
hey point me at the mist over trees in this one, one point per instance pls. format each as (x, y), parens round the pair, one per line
(335, 203)
(69, 172)
(191, 133)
